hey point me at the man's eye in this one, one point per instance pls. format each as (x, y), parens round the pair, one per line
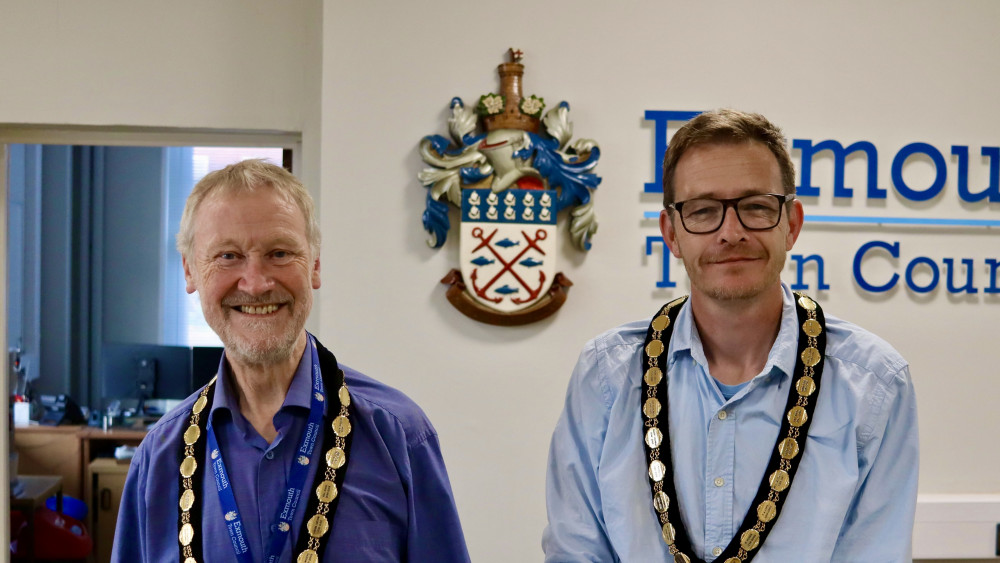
(701, 212)
(228, 256)
(280, 254)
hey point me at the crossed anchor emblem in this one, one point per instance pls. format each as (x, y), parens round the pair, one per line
(540, 235)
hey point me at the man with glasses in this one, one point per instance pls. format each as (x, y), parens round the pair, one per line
(740, 421)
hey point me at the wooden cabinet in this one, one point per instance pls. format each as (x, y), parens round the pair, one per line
(107, 482)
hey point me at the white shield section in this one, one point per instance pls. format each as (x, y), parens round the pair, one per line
(508, 246)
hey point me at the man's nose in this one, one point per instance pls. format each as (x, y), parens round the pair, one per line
(732, 229)
(256, 278)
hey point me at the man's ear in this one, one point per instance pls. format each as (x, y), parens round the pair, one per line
(668, 232)
(315, 274)
(796, 216)
(190, 286)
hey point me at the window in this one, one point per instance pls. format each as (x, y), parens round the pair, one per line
(183, 320)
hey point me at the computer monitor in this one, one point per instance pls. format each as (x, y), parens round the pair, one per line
(131, 372)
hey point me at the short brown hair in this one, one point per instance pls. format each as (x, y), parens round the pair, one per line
(726, 126)
(243, 177)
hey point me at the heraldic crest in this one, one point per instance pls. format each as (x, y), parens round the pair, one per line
(511, 169)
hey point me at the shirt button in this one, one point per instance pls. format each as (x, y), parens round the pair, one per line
(716, 551)
(719, 481)
(722, 415)
(269, 455)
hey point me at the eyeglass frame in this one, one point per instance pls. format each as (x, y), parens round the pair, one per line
(732, 202)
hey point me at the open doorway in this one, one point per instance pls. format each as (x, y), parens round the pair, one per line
(84, 187)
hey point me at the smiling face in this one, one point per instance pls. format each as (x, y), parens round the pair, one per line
(254, 271)
(731, 263)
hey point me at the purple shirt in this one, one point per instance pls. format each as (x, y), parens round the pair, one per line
(396, 503)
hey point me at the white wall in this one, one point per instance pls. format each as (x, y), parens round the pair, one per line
(888, 72)
(223, 65)
(363, 82)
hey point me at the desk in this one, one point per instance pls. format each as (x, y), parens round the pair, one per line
(70, 451)
(37, 488)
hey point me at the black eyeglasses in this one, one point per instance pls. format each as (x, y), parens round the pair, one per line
(757, 212)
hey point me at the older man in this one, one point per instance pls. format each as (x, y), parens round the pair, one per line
(740, 423)
(285, 455)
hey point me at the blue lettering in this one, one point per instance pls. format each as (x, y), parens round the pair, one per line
(664, 280)
(941, 172)
(660, 120)
(949, 266)
(800, 262)
(893, 250)
(840, 153)
(994, 264)
(935, 274)
(992, 191)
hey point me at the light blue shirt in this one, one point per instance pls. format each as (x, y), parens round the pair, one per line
(852, 500)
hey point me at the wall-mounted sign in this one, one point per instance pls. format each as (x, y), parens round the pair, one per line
(511, 169)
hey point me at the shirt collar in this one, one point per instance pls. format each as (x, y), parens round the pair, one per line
(299, 392)
(686, 340)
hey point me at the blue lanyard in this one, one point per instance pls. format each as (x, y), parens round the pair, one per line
(296, 478)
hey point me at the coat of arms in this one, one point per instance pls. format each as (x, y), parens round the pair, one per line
(511, 169)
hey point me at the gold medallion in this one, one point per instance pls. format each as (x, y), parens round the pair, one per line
(341, 426)
(187, 500)
(661, 322)
(810, 356)
(345, 396)
(336, 458)
(654, 348)
(190, 560)
(797, 416)
(668, 533)
(192, 434)
(188, 466)
(812, 328)
(657, 470)
(651, 407)
(326, 491)
(661, 502)
(317, 526)
(734, 560)
(186, 534)
(654, 437)
(788, 448)
(779, 480)
(199, 405)
(805, 386)
(681, 558)
(766, 511)
(653, 376)
(750, 540)
(307, 556)
(807, 304)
